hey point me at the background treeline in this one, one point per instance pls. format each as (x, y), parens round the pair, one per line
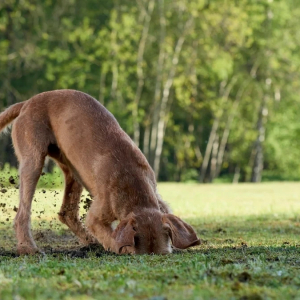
(207, 89)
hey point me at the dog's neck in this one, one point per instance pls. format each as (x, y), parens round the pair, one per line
(146, 210)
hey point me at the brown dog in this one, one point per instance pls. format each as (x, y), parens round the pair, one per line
(93, 151)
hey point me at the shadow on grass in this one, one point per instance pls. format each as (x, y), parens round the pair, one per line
(267, 226)
(223, 244)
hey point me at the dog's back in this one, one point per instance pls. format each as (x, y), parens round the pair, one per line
(79, 127)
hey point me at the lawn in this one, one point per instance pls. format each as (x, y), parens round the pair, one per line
(250, 250)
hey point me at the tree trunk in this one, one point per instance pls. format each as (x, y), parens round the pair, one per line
(158, 84)
(213, 161)
(102, 85)
(140, 73)
(6, 142)
(228, 128)
(237, 173)
(258, 145)
(224, 92)
(114, 84)
(165, 99)
(161, 137)
(146, 140)
(208, 149)
(114, 51)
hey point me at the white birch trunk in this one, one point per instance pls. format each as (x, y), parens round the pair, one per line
(165, 98)
(227, 129)
(158, 83)
(225, 94)
(140, 73)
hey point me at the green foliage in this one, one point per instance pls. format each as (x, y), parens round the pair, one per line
(52, 179)
(237, 59)
(6, 172)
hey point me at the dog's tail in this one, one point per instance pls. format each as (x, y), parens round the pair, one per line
(10, 114)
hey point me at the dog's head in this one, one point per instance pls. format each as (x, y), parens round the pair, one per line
(152, 232)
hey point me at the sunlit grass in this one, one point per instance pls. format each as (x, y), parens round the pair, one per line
(251, 249)
(223, 200)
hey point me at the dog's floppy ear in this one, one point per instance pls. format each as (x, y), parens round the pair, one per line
(182, 234)
(124, 234)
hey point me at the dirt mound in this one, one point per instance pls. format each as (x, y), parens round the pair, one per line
(79, 252)
(53, 243)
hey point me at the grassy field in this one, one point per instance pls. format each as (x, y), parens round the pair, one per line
(250, 250)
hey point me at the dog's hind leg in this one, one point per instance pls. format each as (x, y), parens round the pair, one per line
(69, 212)
(29, 141)
(30, 170)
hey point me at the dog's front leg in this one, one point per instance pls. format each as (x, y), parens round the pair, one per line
(102, 231)
(69, 212)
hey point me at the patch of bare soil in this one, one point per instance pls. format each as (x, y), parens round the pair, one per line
(55, 244)
(51, 242)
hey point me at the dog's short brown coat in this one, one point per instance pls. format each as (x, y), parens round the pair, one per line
(92, 150)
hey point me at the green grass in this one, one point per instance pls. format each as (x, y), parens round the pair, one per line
(250, 250)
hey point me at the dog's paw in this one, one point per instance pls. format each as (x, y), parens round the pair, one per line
(28, 250)
(89, 240)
